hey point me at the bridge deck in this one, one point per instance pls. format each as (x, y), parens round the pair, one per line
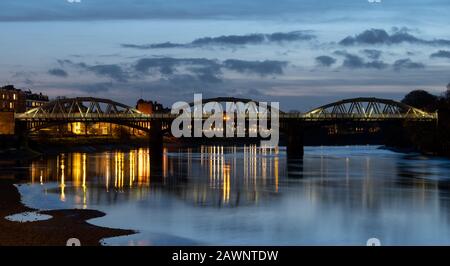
(147, 117)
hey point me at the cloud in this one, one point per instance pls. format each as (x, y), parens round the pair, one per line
(232, 40)
(256, 38)
(305, 10)
(407, 64)
(380, 36)
(208, 74)
(113, 71)
(168, 65)
(25, 77)
(353, 61)
(372, 53)
(207, 69)
(441, 53)
(290, 36)
(152, 46)
(198, 69)
(67, 62)
(95, 87)
(24, 74)
(58, 72)
(262, 68)
(325, 60)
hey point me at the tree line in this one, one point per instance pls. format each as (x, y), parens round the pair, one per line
(430, 139)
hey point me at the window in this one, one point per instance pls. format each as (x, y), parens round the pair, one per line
(14, 97)
(11, 105)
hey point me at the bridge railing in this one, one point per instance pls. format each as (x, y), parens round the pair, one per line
(303, 116)
(82, 116)
(324, 116)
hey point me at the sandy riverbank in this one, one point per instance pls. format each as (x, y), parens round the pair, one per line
(56, 231)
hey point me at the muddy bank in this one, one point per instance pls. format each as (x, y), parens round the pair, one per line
(56, 231)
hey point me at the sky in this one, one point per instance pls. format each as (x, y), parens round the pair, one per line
(302, 53)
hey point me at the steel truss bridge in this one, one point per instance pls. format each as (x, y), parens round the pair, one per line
(95, 110)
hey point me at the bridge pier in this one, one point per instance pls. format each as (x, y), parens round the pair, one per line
(294, 138)
(20, 130)
(156, 148)
(395, 135)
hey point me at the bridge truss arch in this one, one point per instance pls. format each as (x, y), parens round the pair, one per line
(86, 110)
(368, 109)
(249, 103)
(82, 107)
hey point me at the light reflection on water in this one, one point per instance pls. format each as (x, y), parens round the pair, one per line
(250, 195)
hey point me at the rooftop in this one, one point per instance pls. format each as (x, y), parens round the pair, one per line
(28, 93)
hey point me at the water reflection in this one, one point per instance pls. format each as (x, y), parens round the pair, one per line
(252, 195)
(184, 172)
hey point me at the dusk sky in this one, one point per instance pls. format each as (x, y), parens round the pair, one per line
(303, 53)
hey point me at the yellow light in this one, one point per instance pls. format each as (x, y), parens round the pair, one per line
(76, 128)
(84, 182)
(63, 184)
(165, 162)
(276, 174)
(77, 169)
(226, 183)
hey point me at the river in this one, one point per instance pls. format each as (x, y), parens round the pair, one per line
(215, 195)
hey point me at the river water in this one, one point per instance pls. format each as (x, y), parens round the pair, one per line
(217, 195)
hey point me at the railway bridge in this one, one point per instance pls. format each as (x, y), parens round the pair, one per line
(364, 111)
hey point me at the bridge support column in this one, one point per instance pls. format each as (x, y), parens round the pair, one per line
(294, 145)
(20, 130)
(395, 135)
(156, 148)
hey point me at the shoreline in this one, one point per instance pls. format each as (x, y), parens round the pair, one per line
(63, 225)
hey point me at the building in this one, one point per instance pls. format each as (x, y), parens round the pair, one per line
(7, 122)
(150, 107)
(18, 100)
(12, 99)
(33, 100)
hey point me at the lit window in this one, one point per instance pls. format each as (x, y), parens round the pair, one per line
(76, 128)
(14, 97)
(11, 105)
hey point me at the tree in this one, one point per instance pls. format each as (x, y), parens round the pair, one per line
(421, 99)
(447, 93)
